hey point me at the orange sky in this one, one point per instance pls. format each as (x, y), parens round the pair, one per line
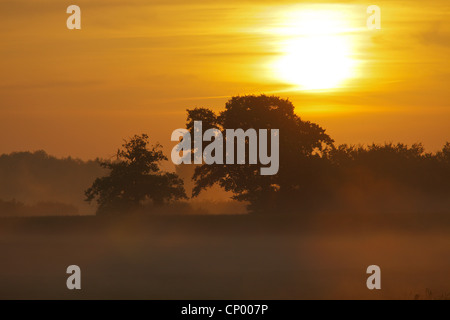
(136, 65)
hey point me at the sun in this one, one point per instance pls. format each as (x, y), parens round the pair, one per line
(316, 50)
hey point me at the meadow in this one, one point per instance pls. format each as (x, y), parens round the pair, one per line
(280, 256)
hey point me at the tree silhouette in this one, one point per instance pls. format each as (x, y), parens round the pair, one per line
(444, 154)
(302, 147)
(135, 177)
(405, 166)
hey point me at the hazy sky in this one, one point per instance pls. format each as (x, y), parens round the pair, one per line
(135, 66)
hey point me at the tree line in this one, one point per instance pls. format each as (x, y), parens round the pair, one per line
(314, 172)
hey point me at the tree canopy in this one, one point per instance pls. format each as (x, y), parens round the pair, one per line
(135, 178)
(301, 142)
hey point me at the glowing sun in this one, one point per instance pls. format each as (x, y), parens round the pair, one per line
(316, 50)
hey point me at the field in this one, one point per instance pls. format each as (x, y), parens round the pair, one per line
(226, 257)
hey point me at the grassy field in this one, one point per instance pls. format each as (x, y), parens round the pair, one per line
(226, 257)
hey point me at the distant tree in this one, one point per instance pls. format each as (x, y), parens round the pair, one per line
(444, 154)
(302, 147)
(405, 167)
(33, 177)
(135, 177)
